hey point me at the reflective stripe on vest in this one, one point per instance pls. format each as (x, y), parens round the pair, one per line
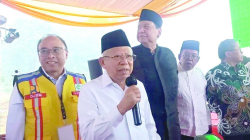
(77, 81)
(42, 118)
(36, 103)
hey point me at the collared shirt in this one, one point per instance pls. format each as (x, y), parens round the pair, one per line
(100, 119)
(194, 116)
(228, 94)
(15, 125)
(58, 82)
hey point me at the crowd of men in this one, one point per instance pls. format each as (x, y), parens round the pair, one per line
(175, 100)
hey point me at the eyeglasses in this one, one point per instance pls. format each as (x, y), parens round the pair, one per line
(54, 51)
(120, 57)
(146, 26)
(193, 56)
(236, 49)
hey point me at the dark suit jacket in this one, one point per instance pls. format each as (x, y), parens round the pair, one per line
(158, 73)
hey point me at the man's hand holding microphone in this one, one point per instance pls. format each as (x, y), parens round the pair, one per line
(131, 100)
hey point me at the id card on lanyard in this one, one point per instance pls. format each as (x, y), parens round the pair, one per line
(67, 131)
(64, 133)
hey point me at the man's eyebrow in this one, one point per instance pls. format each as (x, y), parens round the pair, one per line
(52, 48)
(191, 54)
(143, 24)
(43, 48)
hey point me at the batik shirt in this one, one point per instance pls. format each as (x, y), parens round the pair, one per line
(228, 94)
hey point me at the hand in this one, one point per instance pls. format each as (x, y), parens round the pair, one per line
(131, 97)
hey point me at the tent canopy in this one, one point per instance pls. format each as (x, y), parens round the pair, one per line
(98, 13)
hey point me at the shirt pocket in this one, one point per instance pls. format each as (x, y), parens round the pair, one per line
(37, 108)
(74, 105)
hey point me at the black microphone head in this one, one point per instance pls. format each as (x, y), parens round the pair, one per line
(131, 81)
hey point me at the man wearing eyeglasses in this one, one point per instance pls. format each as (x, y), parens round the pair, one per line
(228, 92)
(105, 103)
(43, 104)
(194, 116)
(156, 68)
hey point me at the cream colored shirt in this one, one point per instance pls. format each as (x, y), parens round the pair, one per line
(194, 115)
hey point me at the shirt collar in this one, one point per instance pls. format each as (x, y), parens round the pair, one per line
(106, 80)
(51, 78)
(228, 66)
(148, 50)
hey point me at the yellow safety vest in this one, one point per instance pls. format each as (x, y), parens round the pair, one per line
(43, 108)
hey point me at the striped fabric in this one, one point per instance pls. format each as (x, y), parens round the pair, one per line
(36, 103)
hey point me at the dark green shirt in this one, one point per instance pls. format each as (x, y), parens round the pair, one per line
(228, 94)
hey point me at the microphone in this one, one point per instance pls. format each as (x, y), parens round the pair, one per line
(136, 109)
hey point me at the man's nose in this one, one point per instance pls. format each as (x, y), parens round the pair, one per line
(51, 55)
(123, 60)
(189, 57)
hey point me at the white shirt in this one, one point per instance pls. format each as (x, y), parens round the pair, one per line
(16, 116)
(248, 65)
(99, 118)
(194, 116)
